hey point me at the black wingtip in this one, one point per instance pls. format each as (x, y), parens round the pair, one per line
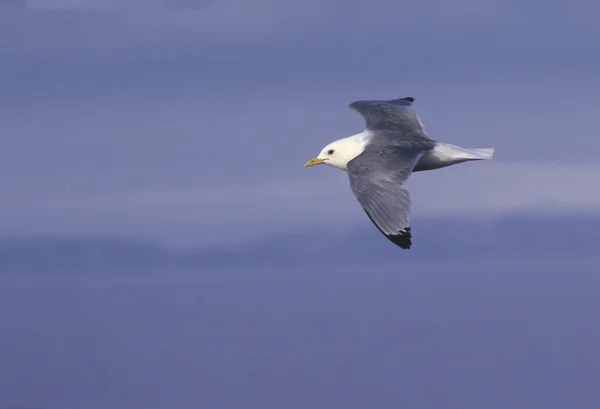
(406, 101)
(403, 239)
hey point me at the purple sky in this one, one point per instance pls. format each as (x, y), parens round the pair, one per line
(188, 122)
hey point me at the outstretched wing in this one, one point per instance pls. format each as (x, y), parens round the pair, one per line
(377, 179)
(395, 115)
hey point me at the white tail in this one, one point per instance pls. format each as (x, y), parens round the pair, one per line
(445, 154)
(476, 154)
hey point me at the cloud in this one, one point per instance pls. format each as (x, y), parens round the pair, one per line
(235, 44)
(488, 188)
(77, 5)
(219, 214)
(151, 23)
(13, 5)
(139, 5)
(205, 164)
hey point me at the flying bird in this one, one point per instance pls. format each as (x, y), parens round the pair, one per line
(380, 159)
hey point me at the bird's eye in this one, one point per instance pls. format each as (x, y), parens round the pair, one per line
(330, 152)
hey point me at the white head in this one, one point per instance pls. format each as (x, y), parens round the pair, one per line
(340, 152)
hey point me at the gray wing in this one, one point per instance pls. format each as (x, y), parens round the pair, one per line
(395, 114)
(377, 177)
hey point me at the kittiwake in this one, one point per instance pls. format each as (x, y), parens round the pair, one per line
(380, 159)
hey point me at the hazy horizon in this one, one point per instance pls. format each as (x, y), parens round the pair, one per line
(162, 245)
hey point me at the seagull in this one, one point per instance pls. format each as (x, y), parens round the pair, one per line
(380, 159)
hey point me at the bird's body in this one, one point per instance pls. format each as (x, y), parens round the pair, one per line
(438, 156)
(381, 158)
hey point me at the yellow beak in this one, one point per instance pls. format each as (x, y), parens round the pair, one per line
(313, 162)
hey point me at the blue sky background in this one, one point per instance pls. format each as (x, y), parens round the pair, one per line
(180, 124)
(185, 124)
